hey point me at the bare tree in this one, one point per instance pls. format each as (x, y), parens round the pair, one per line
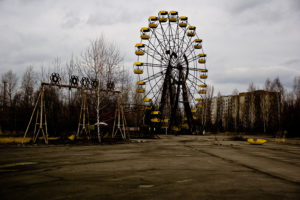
(235, 108)
(206, 115)
(277, 87)
(251, 104)
(28, 85)
(10, 80)
(100, 61)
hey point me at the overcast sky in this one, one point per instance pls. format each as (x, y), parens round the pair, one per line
(245, 40)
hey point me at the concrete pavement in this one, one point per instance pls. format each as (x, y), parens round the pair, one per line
(173, 167)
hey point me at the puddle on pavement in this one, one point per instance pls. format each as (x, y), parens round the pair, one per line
(184, 181)
(183, 155)
(146, 186)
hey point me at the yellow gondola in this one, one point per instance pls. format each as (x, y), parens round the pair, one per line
(198, 46)
(203, 76)
(140, 87)
(138, 67)
(199, 106)
(202, 91)
(155, 112)
(203, 70)
(155, 120)
(203, 85)
(194, 110)
(139, 49)
(146, 99)
(173, 16)
(162, 16)
(199, 99)
(144, 33)
(202, 55)
(165, 120)
(201, 61)
(191, 31)
(174, 128)
(152, 21)
(140, 90)
(185, 126)
(182, 21)
(256, 141)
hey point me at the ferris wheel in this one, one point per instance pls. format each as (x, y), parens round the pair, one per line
(171, 70)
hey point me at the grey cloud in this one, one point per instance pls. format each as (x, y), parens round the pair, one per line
(71, 20)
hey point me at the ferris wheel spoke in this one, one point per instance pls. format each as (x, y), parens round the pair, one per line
(195, 77)
(165, 38)
(155, 49)
(154, 86)
(193, 58)
(161, 45)
(187, 46)
(156, 75)
(153, 56)
(154, 65)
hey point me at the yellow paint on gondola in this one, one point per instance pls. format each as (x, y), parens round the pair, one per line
(140, 90)
(155, 120)
(198, 40)
(173, 19)
(191, 28)
(186, 126)
(140, 82)
(152, 18)
(203, 76)
(138, 71)
(145, 29)
(182, 24)
(175, 128)
(203, 70)
(184, 18)
(155, 112)
(201, 55)
(199, 106)
(145, 37)
(173, 12)
(139, 45)
(165, 120)
(163, 12)
(202, 91)
(138, 63)
(139, 53)
(162, 19)
(256, 141)
(191, 34)
(146, 99)
(198, 46)
(152, 25)
(201, 61)
(203, 85)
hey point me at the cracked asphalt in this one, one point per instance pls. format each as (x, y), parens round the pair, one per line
(172, 167)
